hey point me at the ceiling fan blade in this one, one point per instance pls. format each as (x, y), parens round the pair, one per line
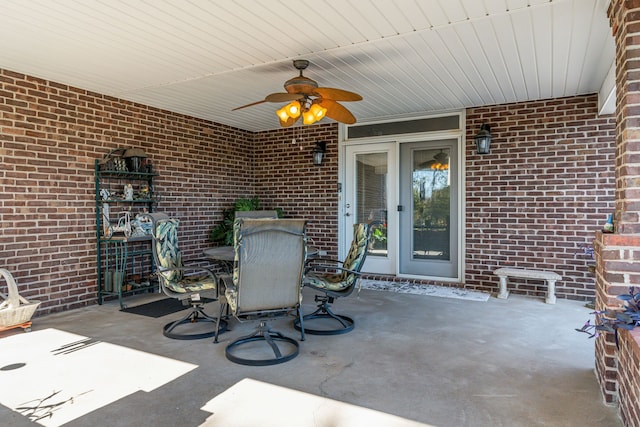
(249, 105)
(283, 97)
(274, 97)
(290, 121)
(337, 94)
(337, 112)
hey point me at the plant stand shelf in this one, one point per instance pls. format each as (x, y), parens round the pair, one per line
(124, 256)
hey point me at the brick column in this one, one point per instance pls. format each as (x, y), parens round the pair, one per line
(624, 17)
(618, 255)
(617, 269)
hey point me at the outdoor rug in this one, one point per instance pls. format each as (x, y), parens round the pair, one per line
(160, 307)
(430, 290)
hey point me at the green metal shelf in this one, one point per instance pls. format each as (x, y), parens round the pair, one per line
(118, 255)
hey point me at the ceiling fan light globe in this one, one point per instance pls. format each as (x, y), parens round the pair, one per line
(318, 111)
(282, 114)
(308, 118)
(293, 109)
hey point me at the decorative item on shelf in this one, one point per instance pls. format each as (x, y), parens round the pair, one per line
(114, 161)
(608, 226)
(318, 152)
(145, 192)
(483, 139)
(124, 226)
(118, 281)
(128, 192)
(135, 159)
(141, 226)
(107, 282)
(106, 220)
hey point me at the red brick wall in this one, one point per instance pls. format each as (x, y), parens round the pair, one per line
(50, 135)
(541, 194)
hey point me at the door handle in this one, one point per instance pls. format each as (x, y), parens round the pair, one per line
(347, 214)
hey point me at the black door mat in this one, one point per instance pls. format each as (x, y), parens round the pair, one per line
(160, 308)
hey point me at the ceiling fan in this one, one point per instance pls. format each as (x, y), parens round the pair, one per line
(309, 101)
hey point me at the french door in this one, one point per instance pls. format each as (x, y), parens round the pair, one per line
(412, 188)
(428, 209)
(369, 196)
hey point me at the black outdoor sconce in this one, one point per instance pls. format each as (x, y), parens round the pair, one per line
(483, 139)
(318, 152)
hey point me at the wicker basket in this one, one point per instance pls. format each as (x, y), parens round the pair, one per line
(14, 310)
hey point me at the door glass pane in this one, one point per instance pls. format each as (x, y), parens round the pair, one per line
(431, 204)
(371, 198)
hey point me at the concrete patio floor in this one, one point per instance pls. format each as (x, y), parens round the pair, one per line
(437, 361)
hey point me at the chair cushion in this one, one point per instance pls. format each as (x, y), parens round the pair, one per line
(354, 260)
(358, 249)
(170, 257)
(192, 283)
(331, 282)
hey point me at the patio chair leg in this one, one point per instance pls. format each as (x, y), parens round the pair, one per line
(263, 333)
(219, 319)
(324, 312)
(195, 315)
(300, 322)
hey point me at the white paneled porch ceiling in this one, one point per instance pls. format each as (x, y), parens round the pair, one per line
(405, 57)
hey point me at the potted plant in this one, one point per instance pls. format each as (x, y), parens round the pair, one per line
(223, 232)
(610, 321)
(379, 237)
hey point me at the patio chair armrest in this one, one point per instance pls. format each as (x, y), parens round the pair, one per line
(187, 270)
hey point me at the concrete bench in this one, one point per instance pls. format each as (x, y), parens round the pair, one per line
(548, 276)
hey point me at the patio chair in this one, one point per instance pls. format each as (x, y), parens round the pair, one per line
(266, 282)
(188, 282)
(332, 281)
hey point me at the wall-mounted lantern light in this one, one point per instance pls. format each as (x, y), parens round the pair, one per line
(483, 139)
(318, 152)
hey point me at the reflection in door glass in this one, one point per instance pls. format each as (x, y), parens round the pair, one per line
(371, 198)
(431, 204)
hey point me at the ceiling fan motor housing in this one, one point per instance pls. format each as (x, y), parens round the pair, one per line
(300, 64)
(301, 84)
